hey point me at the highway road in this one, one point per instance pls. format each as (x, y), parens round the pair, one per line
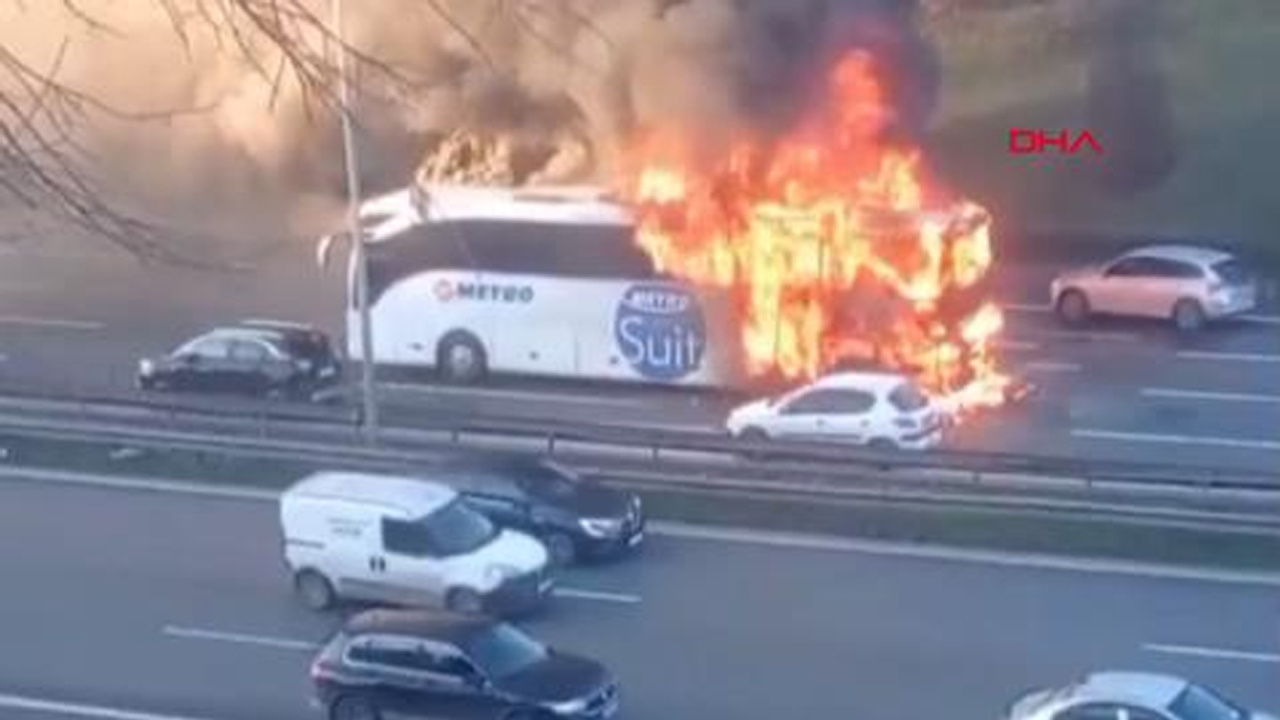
(1116, 391)
(132, 605)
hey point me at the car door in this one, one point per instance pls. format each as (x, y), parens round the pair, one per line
(1121, 288)
(408, 683)
(1169, 282)
(848, 417)
(200, 364)
(408, 571)
(248, 370)
(458, 689)
(803, 416)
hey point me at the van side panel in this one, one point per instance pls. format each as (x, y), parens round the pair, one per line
(333, 537)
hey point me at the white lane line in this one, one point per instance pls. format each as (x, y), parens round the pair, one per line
(81, 710)
(738, 536)
(579, 594)
(1227, 357)
(1179, 394)
(1089, 566)
(1239, 443)
(1044, 308)
(1213, 653)
(190, 633)
(531, 395)
(1016, 345)
(28, 321)
(1052, 366)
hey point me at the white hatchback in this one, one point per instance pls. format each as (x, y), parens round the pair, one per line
(878, 409)
(1186, 284)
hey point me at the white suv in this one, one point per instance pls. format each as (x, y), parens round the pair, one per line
(1186, 284)
(878, 409)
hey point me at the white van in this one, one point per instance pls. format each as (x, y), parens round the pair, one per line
(407, 542)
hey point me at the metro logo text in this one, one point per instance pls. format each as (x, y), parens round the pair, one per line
(447, 291)
(1035, 141)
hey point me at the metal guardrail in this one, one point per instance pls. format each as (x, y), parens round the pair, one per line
(238, 420)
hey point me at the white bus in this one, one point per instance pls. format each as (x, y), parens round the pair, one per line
(546, 282)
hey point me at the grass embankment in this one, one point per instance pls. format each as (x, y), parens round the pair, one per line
(1022, 65)
(878, 520)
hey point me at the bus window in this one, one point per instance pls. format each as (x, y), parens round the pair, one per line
(419, 249)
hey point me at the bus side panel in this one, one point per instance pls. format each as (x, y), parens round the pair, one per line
(658, 332)
(533, 321)
(413, 316)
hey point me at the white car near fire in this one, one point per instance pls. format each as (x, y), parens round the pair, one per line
(882, 410)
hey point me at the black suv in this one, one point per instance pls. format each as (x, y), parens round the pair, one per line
(574, 517)
(256, 357)
(423, 664)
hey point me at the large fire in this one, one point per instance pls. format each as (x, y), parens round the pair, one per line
(832, 242)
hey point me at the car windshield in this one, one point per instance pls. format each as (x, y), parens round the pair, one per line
(1232, 272)
(1198, 703)
(908, 397)
(503, 651)
(456, 529)
(550, 480)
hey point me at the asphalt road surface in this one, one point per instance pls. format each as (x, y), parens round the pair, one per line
(1116, 391)
(122, 601)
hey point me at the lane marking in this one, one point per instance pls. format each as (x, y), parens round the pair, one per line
(597, 595)
(190, 633)
(1052, 366)
(738, 536)
(1213, 653)
(1016, 345)
(1180, 394)
(28, 321)
(1228, 357)
(1044, 308)
(532, 395)
(101, 712)
(1239, 443)
(1088, 566)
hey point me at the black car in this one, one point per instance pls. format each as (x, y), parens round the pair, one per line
(574, 517)
(423, 664)
(255, 357)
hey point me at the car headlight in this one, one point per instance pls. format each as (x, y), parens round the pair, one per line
(601, 527)
(146, 367)
(499, 573)
(568, 707)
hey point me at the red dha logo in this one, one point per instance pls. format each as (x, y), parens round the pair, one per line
(1023, 141)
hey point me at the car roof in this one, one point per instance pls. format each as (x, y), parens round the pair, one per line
(452, 628)
(1148, 689)
(280, 326)
(1197, 254)
(861, 380)
(411, 496)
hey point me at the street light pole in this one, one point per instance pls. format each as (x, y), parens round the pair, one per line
(368, 388)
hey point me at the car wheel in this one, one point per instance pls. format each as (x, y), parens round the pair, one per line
(461, 359)
(561, 549)
(315, 590)
(1188, 316)
(1073, 307)
(465, 601)
(882, 444)
(354, 708)
(757, 436)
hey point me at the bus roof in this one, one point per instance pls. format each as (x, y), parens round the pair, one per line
(577, 205)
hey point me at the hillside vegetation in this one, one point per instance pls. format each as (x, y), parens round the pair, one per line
(1026, 64)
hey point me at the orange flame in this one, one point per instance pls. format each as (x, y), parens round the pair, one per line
(832, 243)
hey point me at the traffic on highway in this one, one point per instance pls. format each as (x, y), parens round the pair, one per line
(811, 401)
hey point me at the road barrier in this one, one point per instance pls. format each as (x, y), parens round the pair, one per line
(235, 422)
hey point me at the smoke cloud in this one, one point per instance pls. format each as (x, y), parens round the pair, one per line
(489, 90)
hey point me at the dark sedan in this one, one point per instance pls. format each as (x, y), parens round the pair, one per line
(256, 357)
(574, 517)
(421, 664)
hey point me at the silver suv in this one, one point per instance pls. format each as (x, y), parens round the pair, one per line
(1186, 284)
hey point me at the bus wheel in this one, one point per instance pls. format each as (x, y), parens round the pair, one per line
(461, 359)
